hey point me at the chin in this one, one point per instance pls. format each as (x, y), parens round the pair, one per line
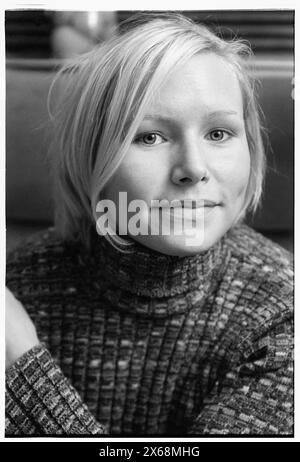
(180, 246)
(184, 245)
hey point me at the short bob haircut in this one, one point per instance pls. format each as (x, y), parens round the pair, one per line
(105, 94)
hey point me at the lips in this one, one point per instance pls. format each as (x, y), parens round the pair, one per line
(198, 203)
(189, 214)
(189, 204)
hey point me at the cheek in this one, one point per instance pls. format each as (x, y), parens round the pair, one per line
(141, 176)
(234, 174)
(135, 178)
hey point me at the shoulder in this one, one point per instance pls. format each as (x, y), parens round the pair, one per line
(264, 295)
(36, 244)
(40, 249)
(41, 263)
(263, 281)
(261, 255)
(247, 242)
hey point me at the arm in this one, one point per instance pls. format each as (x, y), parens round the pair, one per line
(256, 394)
(39, 399)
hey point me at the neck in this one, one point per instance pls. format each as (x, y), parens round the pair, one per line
(147, 273)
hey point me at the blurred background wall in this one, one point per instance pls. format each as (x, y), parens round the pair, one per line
(38, 41)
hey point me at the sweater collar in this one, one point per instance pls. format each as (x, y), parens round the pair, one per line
(148, 273)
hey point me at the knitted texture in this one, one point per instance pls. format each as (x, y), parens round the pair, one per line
(149, 344)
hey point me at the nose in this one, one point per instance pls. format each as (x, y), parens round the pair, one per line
(191, 167)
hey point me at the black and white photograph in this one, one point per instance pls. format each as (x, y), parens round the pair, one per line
(149, 223)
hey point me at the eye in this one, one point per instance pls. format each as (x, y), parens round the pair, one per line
(149, 139)
(219, 135)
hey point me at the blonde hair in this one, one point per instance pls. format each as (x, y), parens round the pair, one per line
(106, 96)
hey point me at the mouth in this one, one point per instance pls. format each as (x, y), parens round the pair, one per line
(189, 204)
(189, 214)
(198, 203)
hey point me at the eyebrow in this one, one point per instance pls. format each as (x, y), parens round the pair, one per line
(210, 115)
(221, 113)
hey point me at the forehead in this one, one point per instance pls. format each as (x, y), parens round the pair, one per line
(205, 82)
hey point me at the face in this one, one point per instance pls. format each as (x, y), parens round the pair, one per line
(190, 146)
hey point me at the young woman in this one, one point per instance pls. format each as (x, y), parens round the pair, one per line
(115, 328)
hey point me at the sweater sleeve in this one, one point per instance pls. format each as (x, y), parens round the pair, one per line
(41, 401)
(255, 397)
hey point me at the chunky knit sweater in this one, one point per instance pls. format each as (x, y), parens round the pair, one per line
(149, 344)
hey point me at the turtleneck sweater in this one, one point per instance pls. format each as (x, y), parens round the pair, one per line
(143, 343)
